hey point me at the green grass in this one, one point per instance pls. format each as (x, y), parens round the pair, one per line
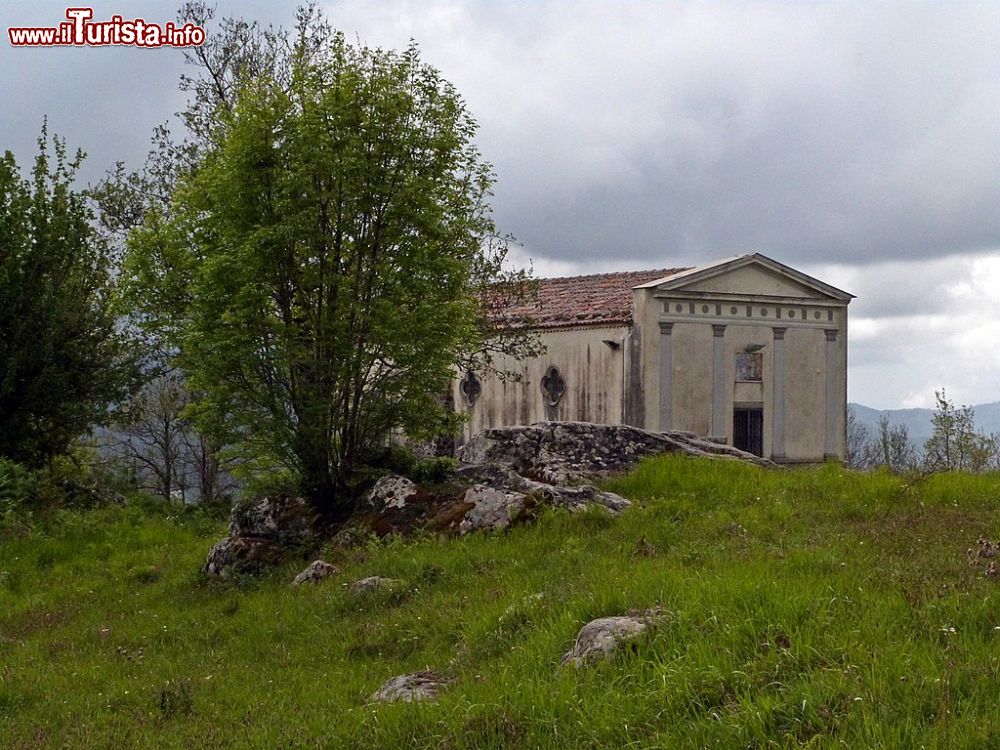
(807, 608)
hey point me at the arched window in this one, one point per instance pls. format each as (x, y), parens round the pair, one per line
(553, 386)
(471, 387)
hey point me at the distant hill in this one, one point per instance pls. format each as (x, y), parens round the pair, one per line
(918, 421)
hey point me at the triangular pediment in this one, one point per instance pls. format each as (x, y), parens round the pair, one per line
(754, 275)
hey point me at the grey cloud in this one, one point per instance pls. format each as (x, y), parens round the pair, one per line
(813, 132)
(899, 289)
(104, 100)
(852, 132)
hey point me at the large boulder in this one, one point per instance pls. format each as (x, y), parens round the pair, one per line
(492, 508)
(242, 555)
(286, 519)
(262, 532)
(567, 452)
(390, 492)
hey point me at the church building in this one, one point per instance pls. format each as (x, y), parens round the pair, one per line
(745, 351)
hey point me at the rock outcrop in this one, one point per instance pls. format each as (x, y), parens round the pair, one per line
(239, 555)
(492, 509)
(261, 534)
(483, 497)
(391, 491)
(566, 452)
(286, 519)
(505, 476)
(501, 474)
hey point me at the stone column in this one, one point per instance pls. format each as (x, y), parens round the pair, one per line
(832, 420)
(666, 377)
(719, 428)
(778, 396)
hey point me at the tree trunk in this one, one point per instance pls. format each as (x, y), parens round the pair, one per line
(325, 489)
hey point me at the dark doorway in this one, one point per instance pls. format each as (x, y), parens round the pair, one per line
(748, 430)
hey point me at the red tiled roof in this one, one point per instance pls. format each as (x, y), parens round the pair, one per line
(599, 299)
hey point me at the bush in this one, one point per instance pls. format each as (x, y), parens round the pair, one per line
(27, 495)
(398, 459)
(17, 485)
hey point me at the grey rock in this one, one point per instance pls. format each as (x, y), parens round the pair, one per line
(261, 533)
(417, 686)
(391, 491)
(372, 583)
(503, 476)
(599, 638)
(495, 474)
(566, 452)
(579, 497)
(242, 555)
(317, 570)
(486, 496)
(493, 509)
(286, 519)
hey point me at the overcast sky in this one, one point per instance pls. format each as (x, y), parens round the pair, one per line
(855, 141)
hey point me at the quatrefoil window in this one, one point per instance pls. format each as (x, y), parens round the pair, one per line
(471, 387)
(553, 386)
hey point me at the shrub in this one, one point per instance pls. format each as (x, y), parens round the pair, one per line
(16, 484)
(399, 459)
(29, 495)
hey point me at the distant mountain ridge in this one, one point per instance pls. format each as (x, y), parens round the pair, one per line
(918, 421)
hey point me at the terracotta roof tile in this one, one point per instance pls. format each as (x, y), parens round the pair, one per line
(598, 299)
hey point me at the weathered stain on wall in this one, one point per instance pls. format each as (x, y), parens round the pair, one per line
(592, 370)
(692, 377)
(805, 394)
(635, 413)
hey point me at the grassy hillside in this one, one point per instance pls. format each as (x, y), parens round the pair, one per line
(809, 608)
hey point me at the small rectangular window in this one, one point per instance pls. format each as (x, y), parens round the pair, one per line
(749, 367)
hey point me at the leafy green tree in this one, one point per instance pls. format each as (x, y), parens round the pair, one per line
(956, 444)
(63, 359)
(329, 262)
